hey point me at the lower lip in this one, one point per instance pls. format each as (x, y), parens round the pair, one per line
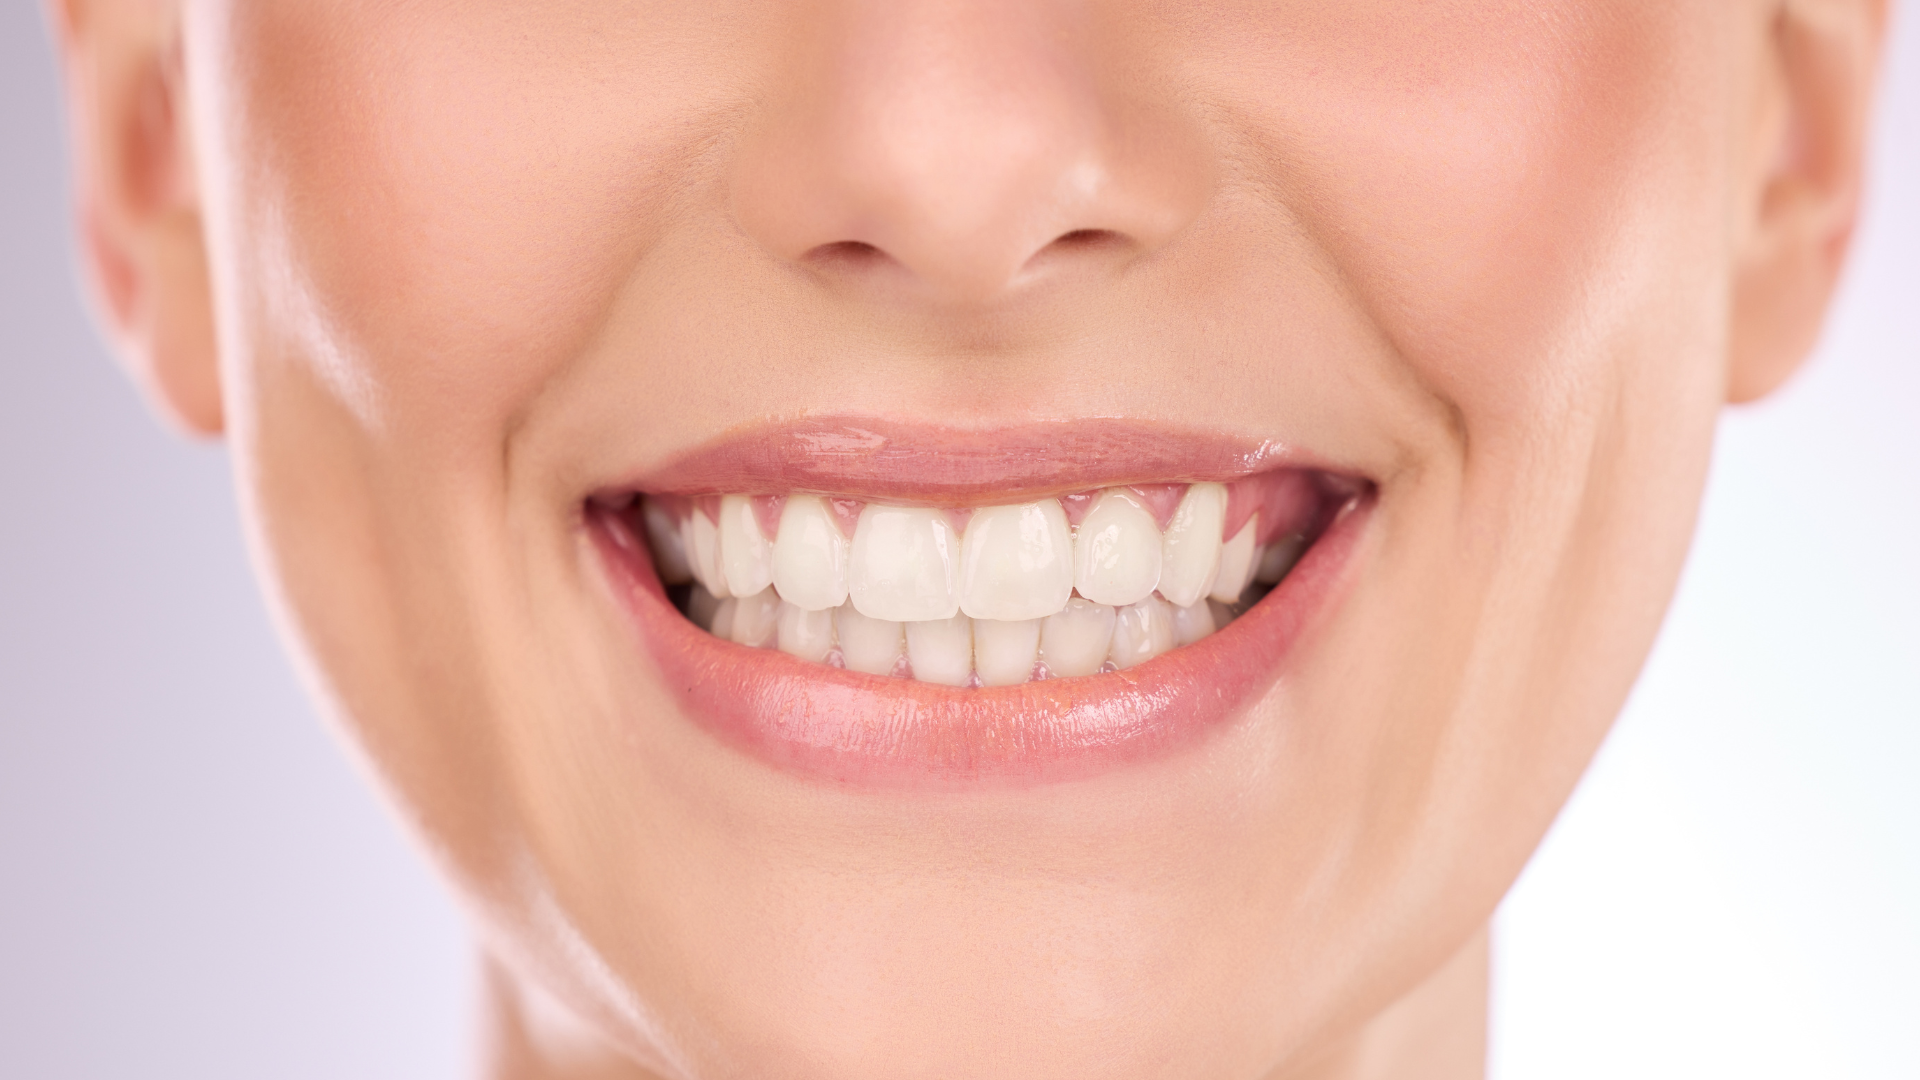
(842, 726)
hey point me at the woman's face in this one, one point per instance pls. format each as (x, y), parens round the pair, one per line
(1445, 286)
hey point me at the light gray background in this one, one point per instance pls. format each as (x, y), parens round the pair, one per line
(194, 882)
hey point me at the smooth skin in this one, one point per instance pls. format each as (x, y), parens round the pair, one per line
(436, 269)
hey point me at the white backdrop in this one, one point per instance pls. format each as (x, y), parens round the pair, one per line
(193, 882)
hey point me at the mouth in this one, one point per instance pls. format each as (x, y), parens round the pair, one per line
(878, 604)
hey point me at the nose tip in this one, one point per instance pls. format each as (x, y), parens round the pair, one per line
(962, 152)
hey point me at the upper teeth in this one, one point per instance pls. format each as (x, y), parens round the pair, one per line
(910, 589)
(1117, 554)
(810, 555)
(903, 565)
(1016, 562)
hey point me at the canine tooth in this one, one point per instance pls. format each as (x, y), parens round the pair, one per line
(1116, 553)
(701, 607)
(810, 555)
(669, 549)
(756, 619)
(1193, 622)
(1190, 548)
(745, 554)
(867, 644)
(1141, 632)
(723, 618)
(902, 565)
(806, 634)
(1236, 563)
(1075, 640)
(1016, 562)
(703, 553)
(1279, 558)
(1003, 652)
(941, 650)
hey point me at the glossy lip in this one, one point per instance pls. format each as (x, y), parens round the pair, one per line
(876, 459)
(873, 731)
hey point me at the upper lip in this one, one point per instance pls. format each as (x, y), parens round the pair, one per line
(878, 459)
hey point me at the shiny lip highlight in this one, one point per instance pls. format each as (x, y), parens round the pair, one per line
(868, 730)
(917, 464)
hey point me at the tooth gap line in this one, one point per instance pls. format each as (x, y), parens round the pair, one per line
(1134, 632)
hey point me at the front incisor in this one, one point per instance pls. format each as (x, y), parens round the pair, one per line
(902, 564)
(941, 650)
(1004, 652)
(866, 644)
(1016, 562)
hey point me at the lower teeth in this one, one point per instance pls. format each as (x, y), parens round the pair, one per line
(1082, 639)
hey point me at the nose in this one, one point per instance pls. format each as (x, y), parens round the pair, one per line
(963, 148)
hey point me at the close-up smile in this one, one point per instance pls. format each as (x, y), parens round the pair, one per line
(966, 539)
(916, 620)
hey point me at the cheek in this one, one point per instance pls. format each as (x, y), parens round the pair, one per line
(461, 197)
(1504, 188)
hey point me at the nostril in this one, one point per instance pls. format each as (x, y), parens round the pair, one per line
(1079, 243)
(853, 260)
(1081, 238)
(848, 254)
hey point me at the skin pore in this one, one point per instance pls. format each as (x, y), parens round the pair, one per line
(442, 273)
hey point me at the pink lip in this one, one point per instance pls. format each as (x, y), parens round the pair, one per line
(867, 730)
(877, 459)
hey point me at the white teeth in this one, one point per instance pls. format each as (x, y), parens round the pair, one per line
(1192, 623)
(1016, 562)
(1004, 652)
(703, 552)
(756, 619)
(1074, 641)
(806, 634)
(866, 644)
(1021, 592)
(1279, 558)
(1116, 553)
(723, 619)
(902, 565)
(941, 650)
(1141, 632)
(701, 607)
(810, 555)
(1236, 563)
(745, 554)
(1190, 550)
(669, 549)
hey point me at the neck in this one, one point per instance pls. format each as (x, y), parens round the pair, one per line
(1437, 1031)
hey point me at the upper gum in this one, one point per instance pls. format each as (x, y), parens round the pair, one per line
(1162, 499)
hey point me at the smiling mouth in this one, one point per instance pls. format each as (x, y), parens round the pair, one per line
(897, 614)
(1090, 582)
